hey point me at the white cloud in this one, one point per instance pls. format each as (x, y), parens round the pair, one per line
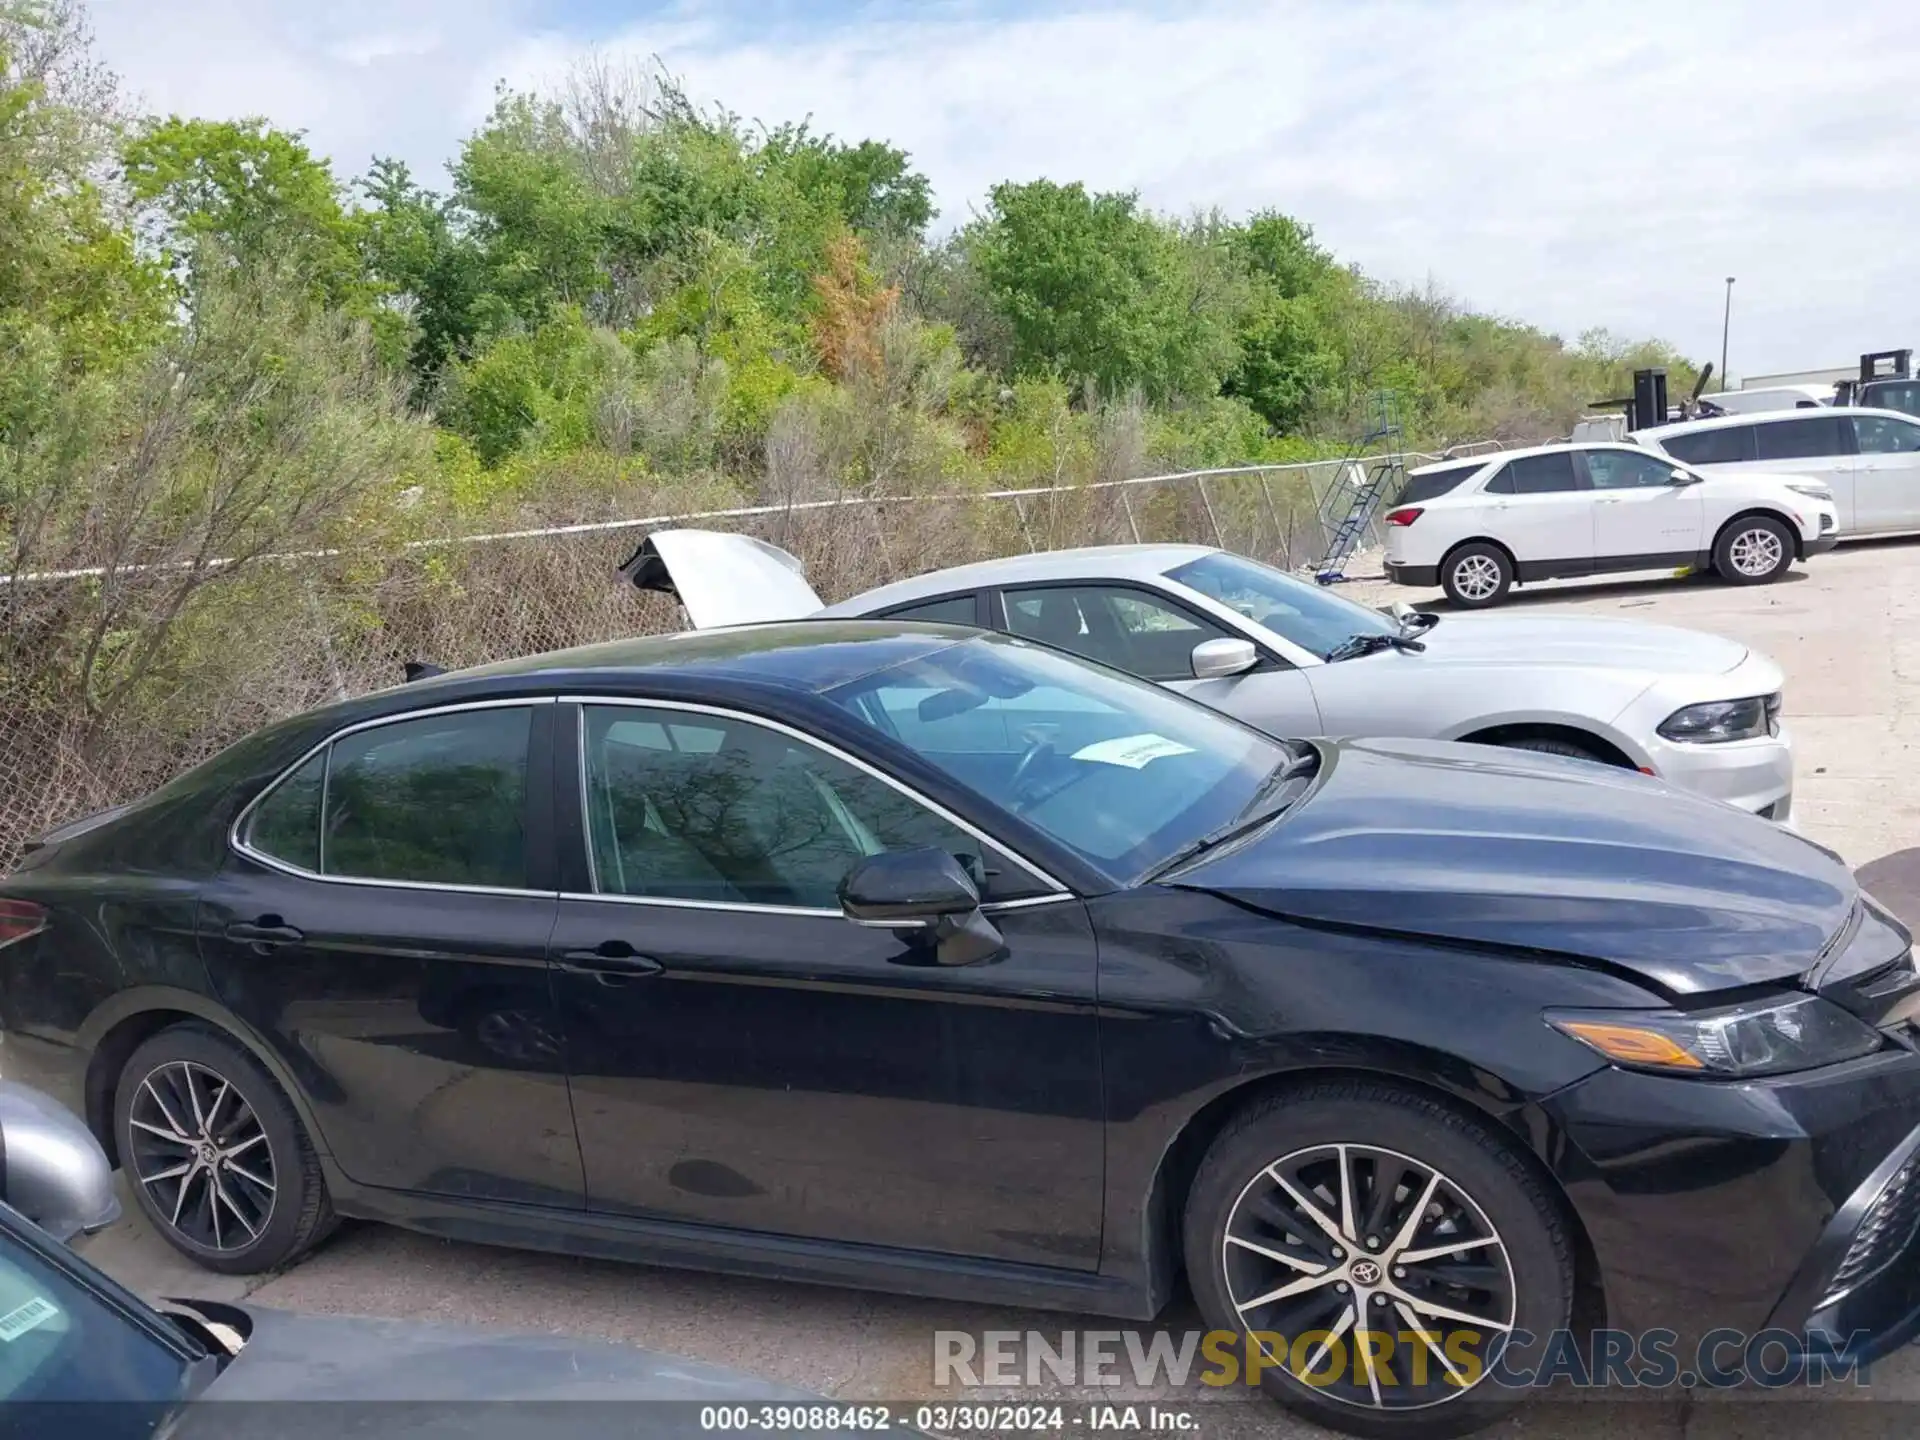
(1569, 164)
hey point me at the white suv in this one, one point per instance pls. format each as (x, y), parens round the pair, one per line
(1869, 459)
(1475, 527)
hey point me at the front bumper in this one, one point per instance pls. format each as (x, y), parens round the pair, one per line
(1715, 1205)
(1755, 775)
(1820, 546)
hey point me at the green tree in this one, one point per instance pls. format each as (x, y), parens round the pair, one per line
(76, 299)
(872, 186)
(1094, 289)
(246, 192)
(424, 265)
(540, 226)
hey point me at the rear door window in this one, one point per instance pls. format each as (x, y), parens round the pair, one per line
(437, 800)
(1815, 436)
(1540, 475)
(1725, 445)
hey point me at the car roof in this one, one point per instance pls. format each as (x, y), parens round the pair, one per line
(1767, 417)
(1500, 457)
(1104, 562)
(806, 656)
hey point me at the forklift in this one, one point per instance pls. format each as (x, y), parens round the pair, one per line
(1886, 382)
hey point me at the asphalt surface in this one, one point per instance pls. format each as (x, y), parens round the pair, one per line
(1847, 631)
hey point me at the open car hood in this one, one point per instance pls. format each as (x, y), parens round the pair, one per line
(723, 579)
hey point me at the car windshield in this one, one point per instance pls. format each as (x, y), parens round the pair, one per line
(1309, 616)
(63, 1338)
(1123, 773)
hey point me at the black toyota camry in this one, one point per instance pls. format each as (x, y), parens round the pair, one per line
(909, 957)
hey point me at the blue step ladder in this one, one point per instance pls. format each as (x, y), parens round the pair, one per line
(1362, 488)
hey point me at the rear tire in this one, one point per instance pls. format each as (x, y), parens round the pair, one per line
(1753, 550)
(1476, 575)
(215, 1155)
(1393, 1174)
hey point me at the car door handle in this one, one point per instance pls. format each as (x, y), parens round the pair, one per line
(610, 962)
(1608, 500)
(265, 931)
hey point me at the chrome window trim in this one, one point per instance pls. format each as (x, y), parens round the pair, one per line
(1057, 891)
(236, 832)
(669, 902)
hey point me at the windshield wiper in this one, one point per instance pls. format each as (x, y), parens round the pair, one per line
(1300, 764)
(1357, 645)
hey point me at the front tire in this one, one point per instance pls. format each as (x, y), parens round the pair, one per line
(215, 1155)
(1351, 1204)
(1476, 575)
(1753, 550)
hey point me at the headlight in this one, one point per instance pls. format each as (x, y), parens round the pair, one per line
(1718, 720)
(1760, 1038)
(1811, 491)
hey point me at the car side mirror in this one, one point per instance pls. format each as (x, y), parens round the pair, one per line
(1677, 476)
(1219, 659)
(54, 1171)
(927, 897)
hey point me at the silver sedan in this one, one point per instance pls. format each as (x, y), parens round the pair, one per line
(1293, 659)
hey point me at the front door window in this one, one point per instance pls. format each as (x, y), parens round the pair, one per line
(684, 806)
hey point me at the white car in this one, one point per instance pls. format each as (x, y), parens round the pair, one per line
(1769, 399)
(1476, 527)
(1293, 659)
(1869, 459)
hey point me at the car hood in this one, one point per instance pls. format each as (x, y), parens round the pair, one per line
(289, 1357)
(722, 579)
(1546, 855)
(1594, 641)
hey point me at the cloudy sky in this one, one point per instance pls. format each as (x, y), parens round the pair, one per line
(1567, 163)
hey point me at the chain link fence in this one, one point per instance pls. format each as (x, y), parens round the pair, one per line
(301, 630)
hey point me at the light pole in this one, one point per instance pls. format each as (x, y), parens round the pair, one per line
(1726, 320)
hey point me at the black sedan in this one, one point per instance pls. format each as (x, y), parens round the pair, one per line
(908, 957)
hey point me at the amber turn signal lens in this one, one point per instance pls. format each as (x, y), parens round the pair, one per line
(1631, 1045)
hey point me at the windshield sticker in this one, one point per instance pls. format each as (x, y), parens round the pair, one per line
(1133, 751)
(30, 1316)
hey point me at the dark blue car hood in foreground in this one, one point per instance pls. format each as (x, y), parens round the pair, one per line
(1509, 848)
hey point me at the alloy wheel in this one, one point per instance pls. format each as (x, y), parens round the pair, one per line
(202, 1156)
(1477, 577)
(1756, 551)
(1370, 1276)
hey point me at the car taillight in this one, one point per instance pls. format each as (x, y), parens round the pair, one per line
(1405, 516)
(19, 919)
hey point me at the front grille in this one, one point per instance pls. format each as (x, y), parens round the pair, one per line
(1885, 1232)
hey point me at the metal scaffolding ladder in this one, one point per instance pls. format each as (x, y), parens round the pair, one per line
(1360, 488)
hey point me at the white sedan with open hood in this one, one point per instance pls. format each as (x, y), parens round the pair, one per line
(1293, 659)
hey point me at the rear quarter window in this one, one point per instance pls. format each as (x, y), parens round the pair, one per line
(1434, 483)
